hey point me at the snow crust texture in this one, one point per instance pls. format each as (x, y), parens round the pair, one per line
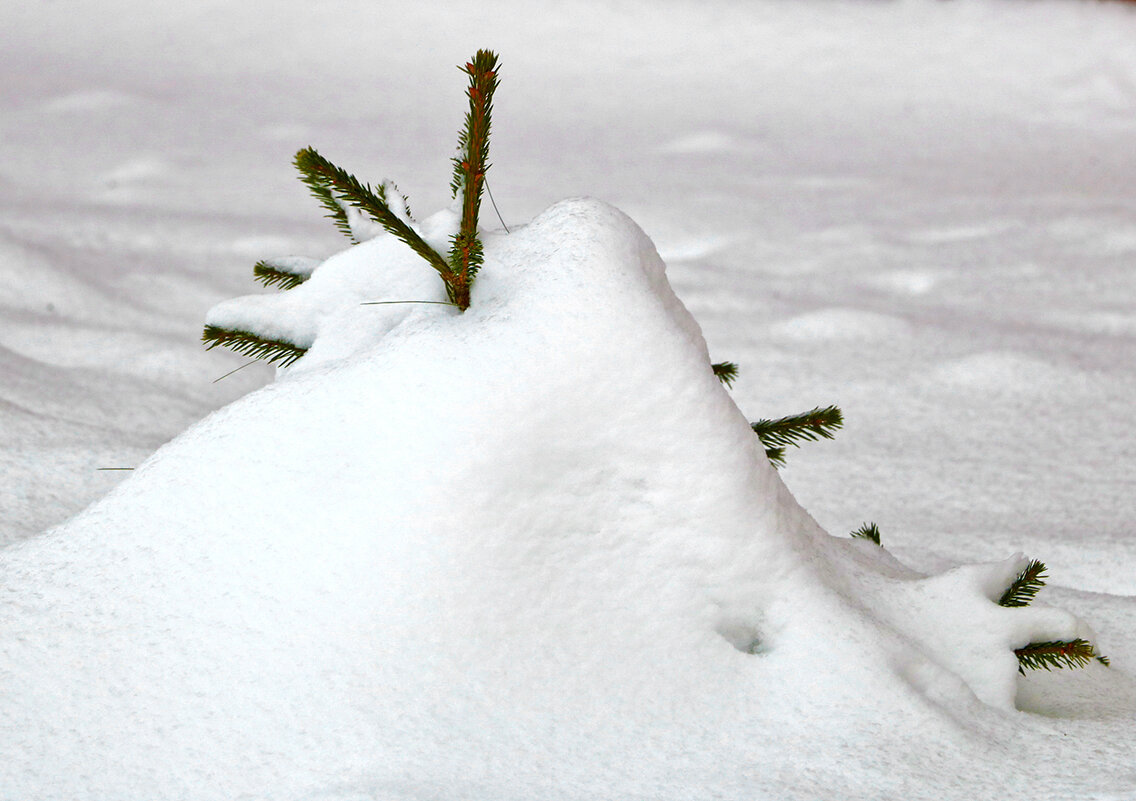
(493, 549)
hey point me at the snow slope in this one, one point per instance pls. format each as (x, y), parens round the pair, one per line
(920, 211)
(479, 537)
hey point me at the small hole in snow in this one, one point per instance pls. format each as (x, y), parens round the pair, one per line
(745, 638)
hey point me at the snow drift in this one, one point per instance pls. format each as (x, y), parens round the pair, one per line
(531, 550)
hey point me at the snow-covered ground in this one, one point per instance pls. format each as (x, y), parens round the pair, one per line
(923, 212)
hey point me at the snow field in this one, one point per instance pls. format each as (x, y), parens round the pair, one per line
(920, 211)
(380, 552)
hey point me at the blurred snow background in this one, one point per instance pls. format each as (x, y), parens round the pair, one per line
(924, 212)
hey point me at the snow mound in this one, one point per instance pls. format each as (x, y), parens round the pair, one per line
(531, 550)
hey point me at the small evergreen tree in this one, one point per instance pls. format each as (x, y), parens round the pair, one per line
(346, 198)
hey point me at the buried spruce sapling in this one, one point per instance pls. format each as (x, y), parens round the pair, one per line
(346, 199)
(362, 212)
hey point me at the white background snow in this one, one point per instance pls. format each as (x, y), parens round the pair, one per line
(924, 212)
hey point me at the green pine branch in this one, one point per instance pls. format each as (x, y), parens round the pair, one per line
(279, 272)
(1062, 654)
(1045, 655)
(328, 181)
(273, 351)
(470, 165)
(868, 531)
(778, 434)
(726, 372)
(1025, 587)
(321, 190)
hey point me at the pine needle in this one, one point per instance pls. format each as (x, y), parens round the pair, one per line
(1025, 587)
(776, 457)
(234, 370)
(496, 210)
(868, 531)
(811, 426)
(726, 372)
(273, 351)
(1049, 655)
